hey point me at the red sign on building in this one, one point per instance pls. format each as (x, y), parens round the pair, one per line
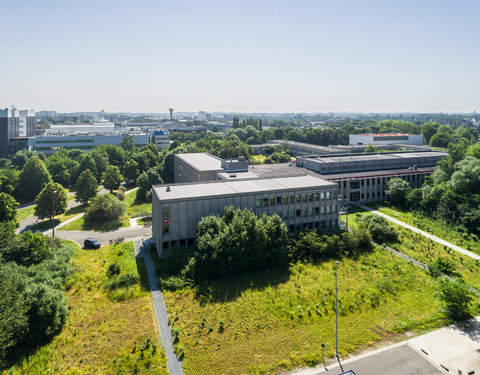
(165, 221)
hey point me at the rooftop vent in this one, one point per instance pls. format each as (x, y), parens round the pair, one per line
(168, 189)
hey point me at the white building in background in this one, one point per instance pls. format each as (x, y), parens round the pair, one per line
(161, 138)
(385, 139)
(101, 127)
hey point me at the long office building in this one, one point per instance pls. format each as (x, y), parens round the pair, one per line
(301, 201)
(15, 125)
(385, 138)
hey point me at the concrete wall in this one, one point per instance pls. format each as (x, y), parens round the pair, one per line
(411, 139)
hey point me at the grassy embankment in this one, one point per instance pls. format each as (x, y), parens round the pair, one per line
(108, 331)
(134, 209)
(277, 319)
(425, 250)
(438, 228)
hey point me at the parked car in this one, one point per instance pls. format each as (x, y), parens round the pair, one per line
(91, 243)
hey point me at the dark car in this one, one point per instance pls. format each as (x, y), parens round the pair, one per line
(91, 243)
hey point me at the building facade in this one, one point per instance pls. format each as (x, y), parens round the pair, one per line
(161, 138)
(302, 202)
(15, 124)
(387, 138)
(49, 144)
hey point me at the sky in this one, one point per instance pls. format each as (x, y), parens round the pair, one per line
(241, 56)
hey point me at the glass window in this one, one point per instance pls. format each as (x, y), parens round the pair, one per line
(279, 200)
(258, 202)
(292, 199)
(317, 196)
(298, 198)
(317, 210)
(299, 213)
(305, 211)
(328, 209)
(322, 209)
(304, 197)
(310, 197)
(165, 228)
(322, 195)
(310, 211)
(292, 213)
(285, 200)
(328, 195)
(265, 202)
(272, 201)
(285, 214)
(335, 194)
(166, 212)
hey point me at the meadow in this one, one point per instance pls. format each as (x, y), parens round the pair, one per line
(110, 328)
(274, 320)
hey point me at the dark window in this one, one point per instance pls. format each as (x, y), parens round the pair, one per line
(166, 212)
(299, 213)
(258, 202)
(272, 201)
(173, 243)
(165, 245)
(292, 199)
(304, 197)
(183, 243)
(285, 200)
(190, 242)
(310, 197)
(165, 228)
(265, 202)
(279, 200)
(317, 211)
(292, 227)
(317, 196)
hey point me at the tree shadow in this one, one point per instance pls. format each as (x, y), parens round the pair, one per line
(230, 288)
(142, 272)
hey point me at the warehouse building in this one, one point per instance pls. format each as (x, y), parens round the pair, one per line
(384, 139)
(301, 201)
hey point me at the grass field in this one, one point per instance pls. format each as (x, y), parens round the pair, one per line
(438, 228)
(105, 333)
(257, 159)
(274, 320)
(135, 209)
(25, 213)
(425, 250)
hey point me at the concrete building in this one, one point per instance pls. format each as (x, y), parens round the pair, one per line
(383, 139)
(15, 125)
(370, 162)
(101, 127)
(161, 138)
(301, 201)
(49, 144)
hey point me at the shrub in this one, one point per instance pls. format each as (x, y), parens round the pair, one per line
(457, 298)
(172, 283)
(105, 207)
(379, 228)
(122, 281)
(443, 266)
(113, 269)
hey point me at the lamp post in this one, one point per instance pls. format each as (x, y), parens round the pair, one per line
(336, 316)
(53, 212)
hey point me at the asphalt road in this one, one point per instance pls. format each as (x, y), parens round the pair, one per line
(398, 360)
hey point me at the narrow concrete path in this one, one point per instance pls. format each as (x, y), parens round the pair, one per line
(173, 363)
(423, 233)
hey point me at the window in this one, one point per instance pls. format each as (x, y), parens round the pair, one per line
(310, 197)
(328, 195)
(272, 201)
(355, 184)
(317, 210)
(304, 197)
(279, 200)
(190, 242)
(310, 211)
(305, 212)
(322, 195)
(258, 202)
(298, 198)
(166, 212)
(265, 202)
(285, 200)
(165, 228)
(328, 209)
(183, 243)
(292, 199)
(292, 227)
(292, 213)
(285, 214)
(165, 245)
(317, 196)
(298, 213)
(335, 194)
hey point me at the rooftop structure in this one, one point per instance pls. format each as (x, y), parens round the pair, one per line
(385, 138)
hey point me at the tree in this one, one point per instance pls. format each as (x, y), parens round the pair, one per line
(130, 171)
(457, 298)
(379, 228)
(61, 167)
(105, 207)
(8, 207)
(32, 178)
(112, 178)
(441, 139)
(26, 249)
(51, 201)
(88, 162)
(21, 157)
(86, 187)
(397, 190)
(371, 148)
(428, 130)
(128, 143)
(145, 182)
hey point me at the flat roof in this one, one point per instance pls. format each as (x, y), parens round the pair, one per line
(202, 161)
(384, 134)
(213, 189)
(373, 157)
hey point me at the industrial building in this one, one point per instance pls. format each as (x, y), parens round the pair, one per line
(15, 125)
(370, 161)
(383, 139)
(301, 201)
(161, 138)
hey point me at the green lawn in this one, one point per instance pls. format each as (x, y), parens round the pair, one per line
(257, 159)
(438, 228)
(277, 319)
(82, 224)
(105, 333)
(25, 213)
(137, 209)
(47, 224)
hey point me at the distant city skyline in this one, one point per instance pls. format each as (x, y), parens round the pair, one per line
(248, 56)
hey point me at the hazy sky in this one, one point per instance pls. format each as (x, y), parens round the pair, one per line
(243, 56)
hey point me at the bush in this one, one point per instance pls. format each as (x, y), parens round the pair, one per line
(113, 269)
(122, 281)
(457, 298)
(172, 283)
(105, 207)
(442, 266)
(379, 229)
(176, 260)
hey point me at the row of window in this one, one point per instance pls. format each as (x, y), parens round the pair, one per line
(322, 225)
(65, 147)
(356, 184)
(297, 198)
(66, 141)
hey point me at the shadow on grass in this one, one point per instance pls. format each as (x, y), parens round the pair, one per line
(142, 272)
(44, 225)
(230, 288)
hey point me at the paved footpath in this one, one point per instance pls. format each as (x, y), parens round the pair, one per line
(173, 363)
(423, 233)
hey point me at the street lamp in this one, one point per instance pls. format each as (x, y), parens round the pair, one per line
(53, 213)
(336, 315)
